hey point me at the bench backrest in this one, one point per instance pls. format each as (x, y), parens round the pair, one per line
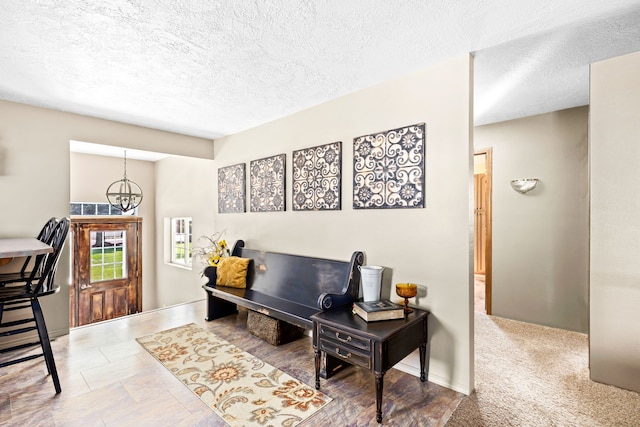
(297, 278)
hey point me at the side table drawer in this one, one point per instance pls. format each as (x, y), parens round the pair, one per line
(345, 353)
(346, 338)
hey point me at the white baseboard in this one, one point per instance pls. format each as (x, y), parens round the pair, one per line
(58, 333)
(434, 378)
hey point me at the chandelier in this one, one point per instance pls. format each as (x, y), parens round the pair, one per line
(124, 194)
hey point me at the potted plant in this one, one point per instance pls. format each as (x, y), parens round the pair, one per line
(210, 254)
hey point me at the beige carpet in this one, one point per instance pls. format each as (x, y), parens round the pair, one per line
(530, 375)
(240, 388)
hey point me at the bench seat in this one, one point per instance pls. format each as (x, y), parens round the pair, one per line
(288, 311)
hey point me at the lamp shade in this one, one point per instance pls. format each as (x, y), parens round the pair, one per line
(524, 185)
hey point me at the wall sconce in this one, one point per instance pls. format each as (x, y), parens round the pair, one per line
(523, 186)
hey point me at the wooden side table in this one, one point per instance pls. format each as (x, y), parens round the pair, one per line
(376, 346)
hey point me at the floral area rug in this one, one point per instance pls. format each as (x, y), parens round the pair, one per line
(239, 387)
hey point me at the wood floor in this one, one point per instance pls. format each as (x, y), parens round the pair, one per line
(109, 380)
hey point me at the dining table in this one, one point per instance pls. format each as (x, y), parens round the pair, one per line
(21, 247)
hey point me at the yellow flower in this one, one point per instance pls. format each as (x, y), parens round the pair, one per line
(214, 260)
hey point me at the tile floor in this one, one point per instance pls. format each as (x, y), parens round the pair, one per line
(109, 380)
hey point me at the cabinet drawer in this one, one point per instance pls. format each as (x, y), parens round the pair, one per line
(345, 338)
(345, 353)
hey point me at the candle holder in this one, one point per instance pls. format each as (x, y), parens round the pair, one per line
(406, 291)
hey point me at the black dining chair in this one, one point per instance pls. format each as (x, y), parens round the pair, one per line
(23, 295)
(24, 273)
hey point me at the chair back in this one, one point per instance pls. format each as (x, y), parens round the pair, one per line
(47, 229)
(48, 264)
(43, 236)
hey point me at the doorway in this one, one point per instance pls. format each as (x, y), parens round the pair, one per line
(482, 229)
(107, 268)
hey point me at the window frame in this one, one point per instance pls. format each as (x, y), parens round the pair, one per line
(185, 234)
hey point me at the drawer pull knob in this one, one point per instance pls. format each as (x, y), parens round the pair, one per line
(348, 339)
(345, 356)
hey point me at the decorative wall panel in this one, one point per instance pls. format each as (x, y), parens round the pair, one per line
(232, 184)
(388, 169)
(317, 178)
(267, 184)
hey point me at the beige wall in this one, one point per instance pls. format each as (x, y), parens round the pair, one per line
(35, 174)
(614, 342)
(185, 187)
(90, 177)
(540, 239)
(431, 246)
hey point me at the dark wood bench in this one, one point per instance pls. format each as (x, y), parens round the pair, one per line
(287, 287)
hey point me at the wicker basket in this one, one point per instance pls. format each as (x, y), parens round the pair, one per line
(273, 331)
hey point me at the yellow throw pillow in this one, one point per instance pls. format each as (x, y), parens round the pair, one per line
(232, 272)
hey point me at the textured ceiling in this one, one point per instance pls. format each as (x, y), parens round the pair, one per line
(211, 68)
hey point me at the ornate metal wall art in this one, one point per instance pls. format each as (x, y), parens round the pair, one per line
(317, 178)
(388, 169)
(267, 184)
(232, 184)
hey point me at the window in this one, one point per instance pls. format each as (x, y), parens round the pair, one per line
(93, 208)
(108, 255)
(181, 241)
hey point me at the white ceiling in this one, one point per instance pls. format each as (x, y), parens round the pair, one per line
(211, 68)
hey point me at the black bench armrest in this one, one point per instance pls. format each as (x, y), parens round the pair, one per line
(350, 291)
(327, 301)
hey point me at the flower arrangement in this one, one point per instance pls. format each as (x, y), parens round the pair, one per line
(215, 248)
